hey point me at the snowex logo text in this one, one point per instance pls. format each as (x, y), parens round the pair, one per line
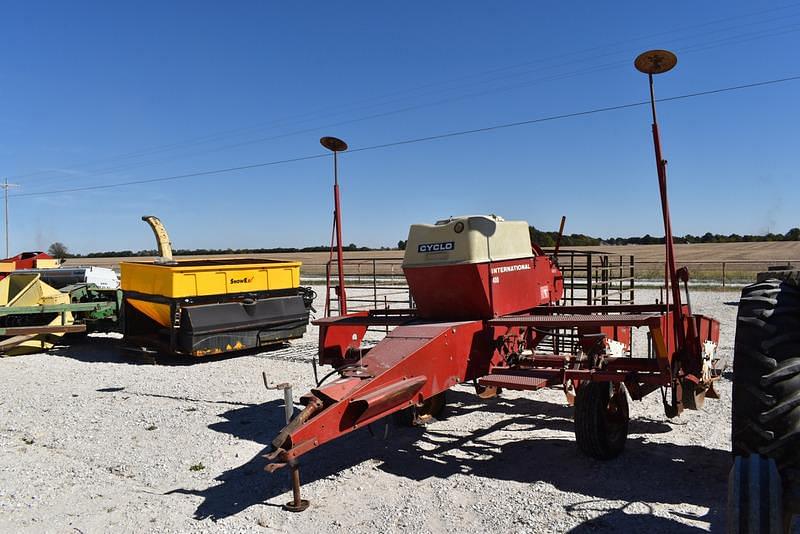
(437, 247)
(244, 280)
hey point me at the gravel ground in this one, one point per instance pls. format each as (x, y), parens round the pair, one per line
(92, 440)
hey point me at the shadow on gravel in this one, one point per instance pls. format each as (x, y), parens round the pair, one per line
(649, 472)
(122, 389)
(100, 349)
(619, 519)
(248, 484)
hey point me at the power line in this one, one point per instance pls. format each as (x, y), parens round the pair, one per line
(558, 76)
(494, 77)
(574, 114)
(417, 139)
(583, 71)
(168, 178)
(735, 39)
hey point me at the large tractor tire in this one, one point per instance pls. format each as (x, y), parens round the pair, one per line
(766, 383)
(754, 496)
(766, 372)
(601, 419)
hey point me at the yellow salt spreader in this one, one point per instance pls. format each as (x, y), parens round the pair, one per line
(33, 315)
(201, 307)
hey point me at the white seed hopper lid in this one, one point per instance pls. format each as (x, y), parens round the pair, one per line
(467, 239)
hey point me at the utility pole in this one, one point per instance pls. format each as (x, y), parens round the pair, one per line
(6, 186)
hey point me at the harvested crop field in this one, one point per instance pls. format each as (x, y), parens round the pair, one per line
(93, 440)
(707, 256)
(710, 252)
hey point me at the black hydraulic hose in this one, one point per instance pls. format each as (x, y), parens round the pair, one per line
(337, 370)
(308, 295)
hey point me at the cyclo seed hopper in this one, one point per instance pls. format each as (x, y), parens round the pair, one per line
(486, 299)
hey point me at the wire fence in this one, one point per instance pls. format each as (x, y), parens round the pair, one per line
(613, 277)
(723, 273)
(379, 283)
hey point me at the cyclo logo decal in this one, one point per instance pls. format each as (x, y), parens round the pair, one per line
(511, 268)
(244, 280)
(437, 247)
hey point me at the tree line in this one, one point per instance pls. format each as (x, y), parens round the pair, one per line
(540, 237)
(59, 250)
(548, 239)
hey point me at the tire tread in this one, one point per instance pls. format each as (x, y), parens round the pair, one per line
(766, 383)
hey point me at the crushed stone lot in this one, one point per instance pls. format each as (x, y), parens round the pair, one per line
(94, 439)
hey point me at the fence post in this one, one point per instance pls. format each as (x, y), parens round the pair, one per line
(328, 289)
(589, 274)
(633, 280)
(723, 275)
(572, 278)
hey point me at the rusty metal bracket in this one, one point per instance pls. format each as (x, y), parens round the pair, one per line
(297, 504)
(288, 405)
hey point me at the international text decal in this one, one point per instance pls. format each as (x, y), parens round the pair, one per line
(511, 268)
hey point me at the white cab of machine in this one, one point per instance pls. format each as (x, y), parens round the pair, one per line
(467, 239)
(102, 277)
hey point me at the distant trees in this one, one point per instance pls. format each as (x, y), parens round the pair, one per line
(547, 239)
(792, 235)
(543, 239)
(352, 247)
(540, 237)
(58, 250)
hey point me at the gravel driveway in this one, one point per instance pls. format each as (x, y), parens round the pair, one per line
(94, 440)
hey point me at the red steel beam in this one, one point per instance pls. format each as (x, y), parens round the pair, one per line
(577, 320)
(410, 365)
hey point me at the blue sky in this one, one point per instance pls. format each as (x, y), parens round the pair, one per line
(105, 92)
